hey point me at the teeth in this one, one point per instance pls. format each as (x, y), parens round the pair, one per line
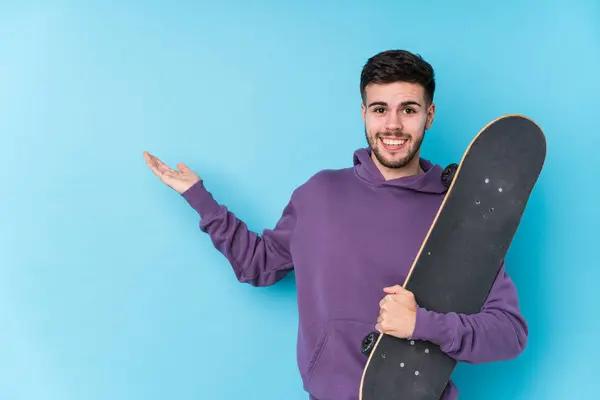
(394, 142)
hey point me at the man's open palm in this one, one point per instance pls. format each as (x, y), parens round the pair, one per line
(180, 179)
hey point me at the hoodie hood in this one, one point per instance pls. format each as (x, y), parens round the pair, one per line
(428, 182)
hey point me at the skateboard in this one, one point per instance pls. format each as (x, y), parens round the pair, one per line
(461, 255)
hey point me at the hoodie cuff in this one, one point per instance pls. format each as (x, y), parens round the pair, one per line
(434, 327)
(201, 200)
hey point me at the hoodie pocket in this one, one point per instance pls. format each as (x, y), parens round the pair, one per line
(336, 366)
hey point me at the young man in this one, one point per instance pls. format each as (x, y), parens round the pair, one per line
(351, 236)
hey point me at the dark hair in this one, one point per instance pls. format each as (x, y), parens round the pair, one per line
(398, 66)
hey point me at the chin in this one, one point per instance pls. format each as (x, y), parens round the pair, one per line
(396, 160)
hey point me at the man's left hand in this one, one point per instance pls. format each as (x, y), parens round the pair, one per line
(398, 312)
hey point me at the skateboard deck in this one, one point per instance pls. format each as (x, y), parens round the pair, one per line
(461, 254)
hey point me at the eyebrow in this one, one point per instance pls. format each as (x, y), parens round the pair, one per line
(403, 104)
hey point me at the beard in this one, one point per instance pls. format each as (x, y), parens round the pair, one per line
(374, 142)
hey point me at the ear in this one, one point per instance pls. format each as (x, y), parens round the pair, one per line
(430, 115)
(364, 110)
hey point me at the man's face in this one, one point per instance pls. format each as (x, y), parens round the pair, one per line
(396, 116)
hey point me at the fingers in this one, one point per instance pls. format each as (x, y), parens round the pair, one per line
(161, 165)
(151, 162)
(383, 325)
(385, 302)
(392, 301)
(396, 289)
(387, 299)
(183, 168)
(155, 162)
(157, 166)
(394, 311)
(382, 318)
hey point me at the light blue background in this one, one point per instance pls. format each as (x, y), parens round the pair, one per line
(108, 290)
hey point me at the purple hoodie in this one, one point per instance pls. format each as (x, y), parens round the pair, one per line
(347, 234)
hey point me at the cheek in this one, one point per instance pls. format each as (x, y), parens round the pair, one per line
(374, 125)
(415, 125)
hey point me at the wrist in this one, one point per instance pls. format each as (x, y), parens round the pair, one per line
(433, 327)
(201, 200)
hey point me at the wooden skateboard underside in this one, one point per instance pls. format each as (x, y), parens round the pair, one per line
(462, 253)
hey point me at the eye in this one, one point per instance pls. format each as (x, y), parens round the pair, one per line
(410, 110)
(379, 110)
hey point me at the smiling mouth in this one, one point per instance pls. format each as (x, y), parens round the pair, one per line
(393, 144)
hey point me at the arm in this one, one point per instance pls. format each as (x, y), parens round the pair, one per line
(499, 332)
(260, 260)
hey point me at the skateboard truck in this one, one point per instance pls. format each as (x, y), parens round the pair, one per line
(448, 174)
(369, 342)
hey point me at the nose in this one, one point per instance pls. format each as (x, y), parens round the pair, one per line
(393, 122)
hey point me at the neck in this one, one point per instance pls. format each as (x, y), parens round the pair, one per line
(410, 169)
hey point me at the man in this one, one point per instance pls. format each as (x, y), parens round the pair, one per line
(351, 236)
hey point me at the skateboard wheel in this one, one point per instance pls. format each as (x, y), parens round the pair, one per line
(369, 342)
(448, 174)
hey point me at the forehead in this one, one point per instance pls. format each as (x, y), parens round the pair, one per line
(394, 93)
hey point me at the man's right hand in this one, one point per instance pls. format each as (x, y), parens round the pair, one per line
(179, 180)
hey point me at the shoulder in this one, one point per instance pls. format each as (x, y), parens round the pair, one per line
(318, 183)
(327, 177)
